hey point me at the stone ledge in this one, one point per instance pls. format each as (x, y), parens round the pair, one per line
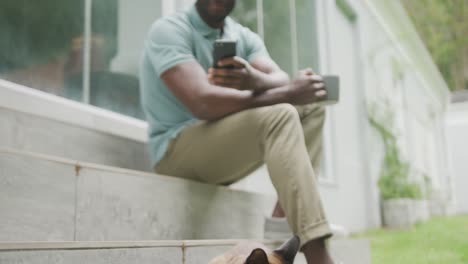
(44, 198)
(27, 100)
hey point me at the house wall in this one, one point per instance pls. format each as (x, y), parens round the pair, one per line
(457, 132)
(347, 198)
(419, 97)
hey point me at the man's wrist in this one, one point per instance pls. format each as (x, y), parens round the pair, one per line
(271, 96)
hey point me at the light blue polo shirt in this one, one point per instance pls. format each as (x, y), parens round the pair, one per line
(180, 38)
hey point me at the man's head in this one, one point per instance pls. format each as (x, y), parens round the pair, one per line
(215, 11)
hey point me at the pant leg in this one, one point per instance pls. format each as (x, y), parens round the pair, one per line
(226, 150)
(313, 118)
(313, 223)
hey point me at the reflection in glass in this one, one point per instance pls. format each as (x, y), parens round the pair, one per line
(246, 14)
(277, 32)
(36, 41)
(306, 34)
(119, 28)
(42, 46)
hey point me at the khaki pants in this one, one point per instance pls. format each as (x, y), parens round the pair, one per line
(287, 138)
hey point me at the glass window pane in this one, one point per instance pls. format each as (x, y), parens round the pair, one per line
(246, 14)
(37, 39)
(119, 28)
(277, 32)
(306, 34)
(181, 5)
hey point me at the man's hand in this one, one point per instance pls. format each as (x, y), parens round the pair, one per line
(306, 88)
(241, 77)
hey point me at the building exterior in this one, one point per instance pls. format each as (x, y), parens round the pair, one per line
(385, 73)
(457, 129)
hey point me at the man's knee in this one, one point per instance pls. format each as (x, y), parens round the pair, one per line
(315, 110)
(281, 113)
(284, 110)
(320, 110)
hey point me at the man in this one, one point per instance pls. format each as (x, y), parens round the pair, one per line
(218, 125)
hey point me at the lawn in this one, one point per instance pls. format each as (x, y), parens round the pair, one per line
(439, 241)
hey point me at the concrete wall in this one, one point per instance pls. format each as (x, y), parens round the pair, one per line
(457, 137)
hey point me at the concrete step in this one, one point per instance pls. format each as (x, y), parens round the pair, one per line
(46, 198)
(35, 121)
(161, 252)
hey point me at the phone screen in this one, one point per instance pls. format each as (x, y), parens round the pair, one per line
(223, 49)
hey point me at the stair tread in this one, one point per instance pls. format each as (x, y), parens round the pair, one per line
(55, 245)
(32, 245)
(351, 251)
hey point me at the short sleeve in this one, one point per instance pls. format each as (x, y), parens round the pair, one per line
(254, 46)
(168, 45)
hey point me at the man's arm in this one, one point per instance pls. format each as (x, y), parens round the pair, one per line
(188, 82)
(259, 75)
(269, 74)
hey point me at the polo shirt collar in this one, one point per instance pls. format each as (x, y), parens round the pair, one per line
(200, 25)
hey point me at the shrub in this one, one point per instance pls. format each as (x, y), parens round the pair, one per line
(394, 181)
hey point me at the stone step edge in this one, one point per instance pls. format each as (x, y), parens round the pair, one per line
(20, 98)
(78, 165)
(94, 245)
(90, 245)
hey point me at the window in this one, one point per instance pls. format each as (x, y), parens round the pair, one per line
(277, 28)
(36, 46)
(245, 13)
(306, 34)
(46, 50)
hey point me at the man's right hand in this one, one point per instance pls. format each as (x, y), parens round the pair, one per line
(241, 77)
(306, 88)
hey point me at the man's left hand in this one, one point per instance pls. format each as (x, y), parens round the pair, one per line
(241, 76)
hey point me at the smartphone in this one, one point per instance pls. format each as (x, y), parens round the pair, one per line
(223, 48)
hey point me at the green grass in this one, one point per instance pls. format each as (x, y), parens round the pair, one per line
(439, 241)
